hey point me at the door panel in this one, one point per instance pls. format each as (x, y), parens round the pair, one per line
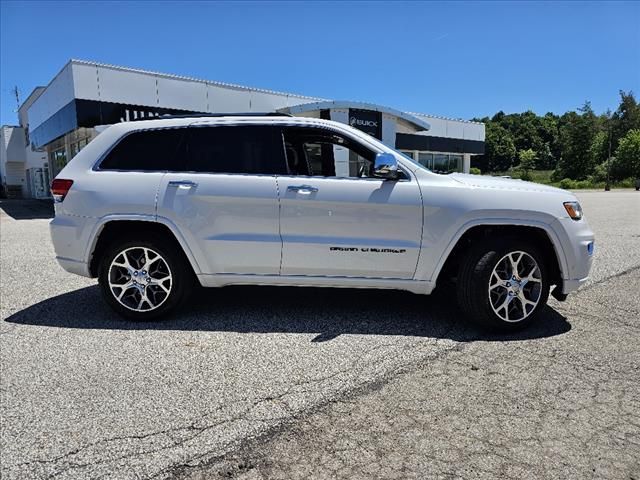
(351, 227)
(229, 221)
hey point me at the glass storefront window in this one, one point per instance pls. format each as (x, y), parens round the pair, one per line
(440, 163)
(426, 159)
(455, 163)
(58, 159)
(408, 153)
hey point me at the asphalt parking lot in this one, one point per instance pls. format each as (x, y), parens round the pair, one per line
(317, 383)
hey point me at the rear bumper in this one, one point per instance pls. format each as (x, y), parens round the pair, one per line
(74, 266)
(70, 236)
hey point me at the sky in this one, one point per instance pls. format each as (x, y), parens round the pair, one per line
(454, 59)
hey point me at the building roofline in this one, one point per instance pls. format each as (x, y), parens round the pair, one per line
(328, 104)
(36, 92)
(445, 118)
(191, 79)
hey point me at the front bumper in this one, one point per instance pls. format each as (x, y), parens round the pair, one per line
(578, 245)
(569, 286)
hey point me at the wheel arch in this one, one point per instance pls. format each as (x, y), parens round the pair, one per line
(539, 234)
(128, 227)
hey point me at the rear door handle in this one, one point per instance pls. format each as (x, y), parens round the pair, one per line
(304, 189)
(182, 183)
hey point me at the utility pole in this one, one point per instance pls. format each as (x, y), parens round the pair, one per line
(607, 185)
(16, 93)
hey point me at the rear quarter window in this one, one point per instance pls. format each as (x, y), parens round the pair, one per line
(240, 149)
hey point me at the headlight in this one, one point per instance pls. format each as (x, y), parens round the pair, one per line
(573, 209)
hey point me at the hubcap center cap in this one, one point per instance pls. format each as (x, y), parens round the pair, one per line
(140, 278)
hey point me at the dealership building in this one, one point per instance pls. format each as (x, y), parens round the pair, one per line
(57, 121)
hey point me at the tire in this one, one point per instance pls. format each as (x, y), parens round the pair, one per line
(485, 284)
(148, 294)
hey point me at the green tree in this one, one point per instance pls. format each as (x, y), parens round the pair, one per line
(527, 163)
(599, 150)
(577, 135)
(625, 118)
(499, 148)
(627, 162)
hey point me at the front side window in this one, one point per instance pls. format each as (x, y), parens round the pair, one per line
(147, 150)
(243, 149)
(320, 152)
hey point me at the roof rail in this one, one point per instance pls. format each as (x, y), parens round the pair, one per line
(214, 115)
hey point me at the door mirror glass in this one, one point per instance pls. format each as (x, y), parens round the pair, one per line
(386, 166)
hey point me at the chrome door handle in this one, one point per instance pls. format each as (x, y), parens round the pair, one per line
(182, 183)
(306, 189)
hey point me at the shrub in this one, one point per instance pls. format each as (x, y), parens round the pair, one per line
(599, 173)
(475, 171)
(583, 184)
(627, 183)
(567, 184)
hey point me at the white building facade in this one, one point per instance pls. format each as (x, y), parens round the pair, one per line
(58, 120)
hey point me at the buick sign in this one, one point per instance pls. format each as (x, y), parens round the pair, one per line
(368, 121)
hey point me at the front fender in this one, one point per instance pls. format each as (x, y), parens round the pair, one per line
(436, 252)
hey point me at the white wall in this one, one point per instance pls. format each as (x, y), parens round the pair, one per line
(23, 117)
(389, 130)
(35, 159)
(12, 156)
(450, 128)
(123, 85)
(57, 94)
(16, 157)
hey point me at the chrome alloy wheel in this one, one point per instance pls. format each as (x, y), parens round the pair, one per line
(515, 286)
(140, 279)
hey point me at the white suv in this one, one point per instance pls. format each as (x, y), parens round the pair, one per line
(152, 207)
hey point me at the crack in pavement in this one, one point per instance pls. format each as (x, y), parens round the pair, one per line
(478, 411)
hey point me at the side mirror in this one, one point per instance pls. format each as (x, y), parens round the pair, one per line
(386, 166)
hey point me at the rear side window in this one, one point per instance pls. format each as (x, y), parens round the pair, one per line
(148, 150)
(251, 149)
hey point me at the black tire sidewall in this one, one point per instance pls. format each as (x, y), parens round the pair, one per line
(181, 281)
(474, 281)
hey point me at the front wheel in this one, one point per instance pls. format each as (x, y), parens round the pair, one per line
(143, 279)
(503, 284)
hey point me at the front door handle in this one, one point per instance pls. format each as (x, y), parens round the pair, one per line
(182, 183)
(304, 189)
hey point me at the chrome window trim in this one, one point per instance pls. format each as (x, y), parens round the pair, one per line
(96, 165)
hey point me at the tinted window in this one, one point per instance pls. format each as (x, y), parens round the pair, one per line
(321, 152)
(234, 149)
(150, 150)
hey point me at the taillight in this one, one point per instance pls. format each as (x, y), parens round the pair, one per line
(59, 188)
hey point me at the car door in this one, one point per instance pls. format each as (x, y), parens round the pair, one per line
(337, 221)
(222, 197)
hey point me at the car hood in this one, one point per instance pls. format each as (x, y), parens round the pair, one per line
(482, 181)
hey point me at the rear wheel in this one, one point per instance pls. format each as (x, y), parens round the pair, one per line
(143, 279)
(503, 284)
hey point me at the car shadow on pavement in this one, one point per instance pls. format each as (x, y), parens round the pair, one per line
(27, 209)
(326, 312)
